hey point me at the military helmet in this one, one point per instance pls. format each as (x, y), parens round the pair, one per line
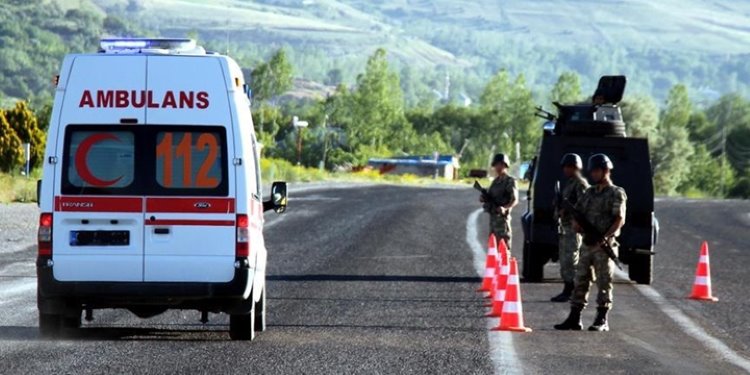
(600, 161)
(501, 158)
(571, 160)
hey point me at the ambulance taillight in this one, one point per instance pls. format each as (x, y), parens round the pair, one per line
(243, 236)
(44, 236)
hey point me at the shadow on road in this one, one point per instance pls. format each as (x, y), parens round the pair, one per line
(378, 327)
(17, 333)
(387, 278)
(382, 300)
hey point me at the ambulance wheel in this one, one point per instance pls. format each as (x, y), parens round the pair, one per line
(641, 268)
(260, 312)
(71, 322)
(241, 327)
(49, 325)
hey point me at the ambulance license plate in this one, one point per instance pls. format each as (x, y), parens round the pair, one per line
(99, 238)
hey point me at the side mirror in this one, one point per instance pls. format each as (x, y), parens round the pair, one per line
(38, 192)
(278, 199)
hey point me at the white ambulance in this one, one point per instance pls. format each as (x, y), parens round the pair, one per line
(151, 190)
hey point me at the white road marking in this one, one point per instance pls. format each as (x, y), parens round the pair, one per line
(502, 351)
(689, 327)
(12, 288)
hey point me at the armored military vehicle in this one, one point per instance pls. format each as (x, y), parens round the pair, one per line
(587, 129)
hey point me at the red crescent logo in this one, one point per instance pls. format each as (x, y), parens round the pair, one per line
(83, 152)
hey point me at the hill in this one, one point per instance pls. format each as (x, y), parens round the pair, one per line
(435, 43)
(702, 43)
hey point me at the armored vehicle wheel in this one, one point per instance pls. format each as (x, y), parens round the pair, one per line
(641, 268)
(533, 264)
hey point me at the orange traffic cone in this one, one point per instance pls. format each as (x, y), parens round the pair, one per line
(502, 260)
(501, 284)
(490, 265)
(512, 316)
(502, 254)
(702, 284)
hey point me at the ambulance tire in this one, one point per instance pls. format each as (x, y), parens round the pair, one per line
(242, 326)
(260, 312)
(71, 322)
(49, 325)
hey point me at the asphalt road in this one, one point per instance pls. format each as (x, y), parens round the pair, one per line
(382, 279)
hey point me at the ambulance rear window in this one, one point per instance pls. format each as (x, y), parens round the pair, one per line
(145, 160)
(100, 160)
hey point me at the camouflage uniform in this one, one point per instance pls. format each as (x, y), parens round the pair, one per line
(503, 191)
(570, 241)
(600, 208)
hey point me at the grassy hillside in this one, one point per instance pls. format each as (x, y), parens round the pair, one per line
(656, 43)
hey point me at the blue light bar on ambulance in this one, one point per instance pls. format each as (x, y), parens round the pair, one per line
(114, 45)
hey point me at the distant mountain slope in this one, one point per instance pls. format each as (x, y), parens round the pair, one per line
(658, 43)
(435, 43)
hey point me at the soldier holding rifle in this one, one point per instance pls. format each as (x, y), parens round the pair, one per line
(598, 215)
(500, 199)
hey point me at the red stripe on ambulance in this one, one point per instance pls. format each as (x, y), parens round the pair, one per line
(191, 205)
(186, 222)
(143, 98)
(98, 204)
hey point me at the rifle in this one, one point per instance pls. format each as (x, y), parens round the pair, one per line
(592, 234)
(558, 196)
(489, 204)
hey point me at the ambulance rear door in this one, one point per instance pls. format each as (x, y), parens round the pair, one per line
(190, 211)
(98, 209)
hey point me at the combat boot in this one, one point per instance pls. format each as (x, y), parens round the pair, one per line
(565, 295)
(600, 323)
(573, 323)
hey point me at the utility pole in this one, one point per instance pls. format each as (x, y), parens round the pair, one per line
(325, 143)
(299, 125)
(723, 155)
(725, 123)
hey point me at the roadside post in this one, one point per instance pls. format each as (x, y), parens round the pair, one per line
(27, 156)
(299, 125)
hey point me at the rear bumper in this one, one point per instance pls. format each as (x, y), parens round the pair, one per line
(157, 293)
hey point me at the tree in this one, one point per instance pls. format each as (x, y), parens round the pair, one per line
(642, 118)
(567, 89)
(272, 78)
(377, 108)
(23, 121)
(508, 116)
(707, 174)
(334, 77)
(11, 155)
(678, 108)
(673, 150)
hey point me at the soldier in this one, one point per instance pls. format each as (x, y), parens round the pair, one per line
(504, 193)
(604, 206)
(569, 241)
